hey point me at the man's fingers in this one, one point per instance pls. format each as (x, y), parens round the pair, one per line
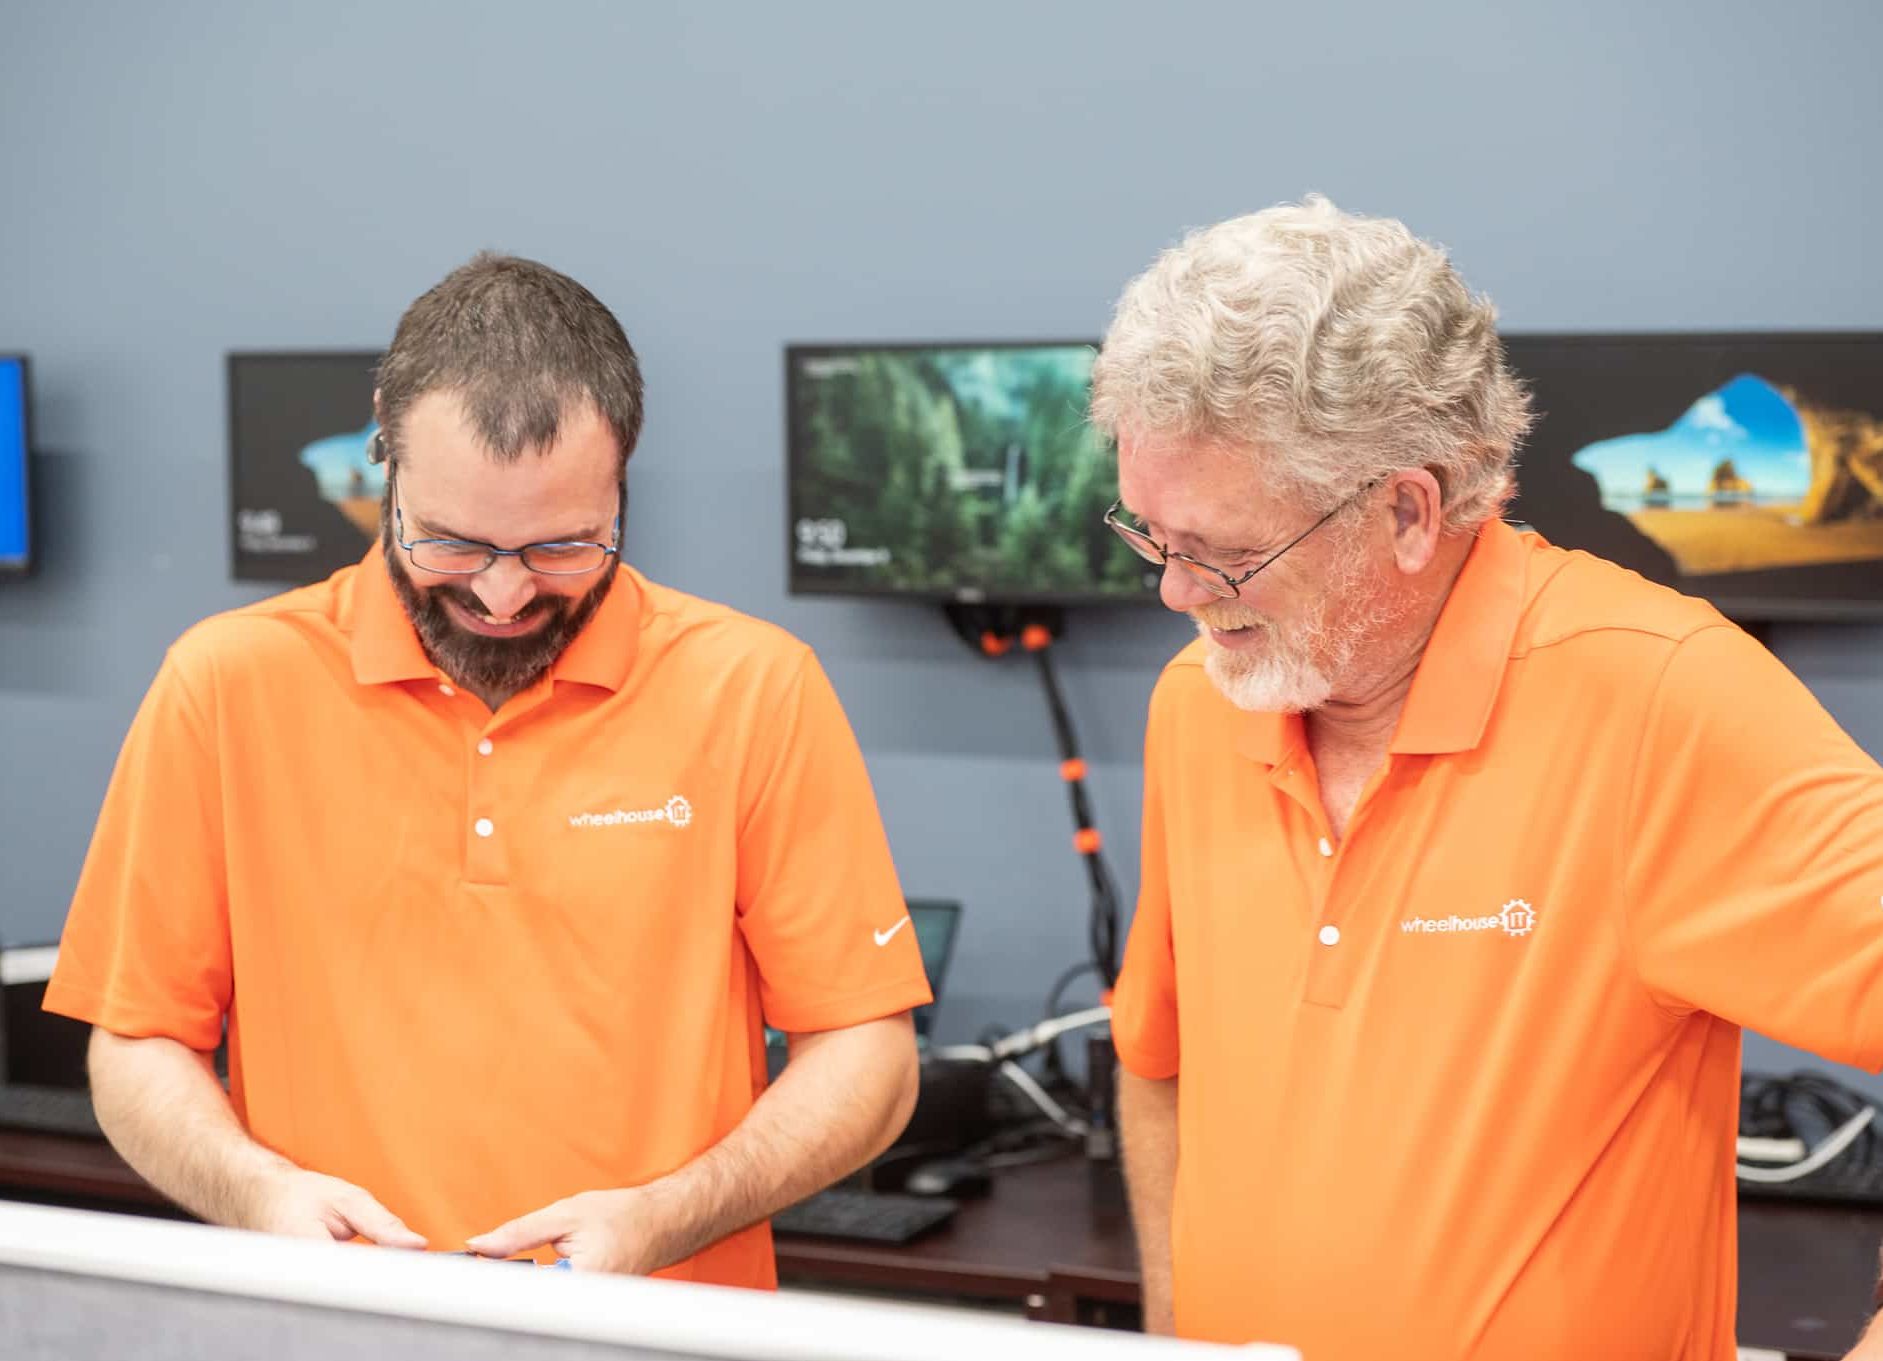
(521, 1235)
(370, 1219)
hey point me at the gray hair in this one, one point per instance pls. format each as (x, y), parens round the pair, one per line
(1340, 347)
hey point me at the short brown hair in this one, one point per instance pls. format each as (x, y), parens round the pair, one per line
(518, 342)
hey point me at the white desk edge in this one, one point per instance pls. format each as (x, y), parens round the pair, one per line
(657, 1315)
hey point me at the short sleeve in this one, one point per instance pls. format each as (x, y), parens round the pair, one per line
(1755, 856)
(819, 904)
(1144, 1004)
(145, 949)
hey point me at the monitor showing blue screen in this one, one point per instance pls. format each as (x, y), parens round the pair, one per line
(16, 542)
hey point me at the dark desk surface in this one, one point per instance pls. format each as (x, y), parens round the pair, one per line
(58, 1164)
(1041, 1219)
(1807, 1274)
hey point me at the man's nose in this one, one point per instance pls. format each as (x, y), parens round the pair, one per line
(505, 588)
(1181, 590)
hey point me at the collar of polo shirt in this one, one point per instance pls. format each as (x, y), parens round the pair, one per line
(386, 646)
(1460, 673)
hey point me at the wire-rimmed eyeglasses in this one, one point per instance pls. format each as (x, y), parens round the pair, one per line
(467, 557)
(1214, 579)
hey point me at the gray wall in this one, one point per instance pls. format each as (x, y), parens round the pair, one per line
(183, 180)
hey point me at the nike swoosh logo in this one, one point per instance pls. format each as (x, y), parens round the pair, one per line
(884, 937)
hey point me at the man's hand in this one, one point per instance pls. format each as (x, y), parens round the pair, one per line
(303, 1204)
(596, 1230)
(842, 1099)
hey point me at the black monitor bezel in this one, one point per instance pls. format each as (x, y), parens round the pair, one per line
(964, 595)
(11, 570)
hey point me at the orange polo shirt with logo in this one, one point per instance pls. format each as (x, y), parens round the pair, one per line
(477, 962)
(1464, 1083)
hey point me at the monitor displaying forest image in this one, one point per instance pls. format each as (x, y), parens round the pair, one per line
(952, 472)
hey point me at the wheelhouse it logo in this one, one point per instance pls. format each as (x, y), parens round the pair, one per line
(1515, 918)
(676, 812)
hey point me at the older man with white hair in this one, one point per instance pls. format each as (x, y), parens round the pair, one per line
(1465, 858)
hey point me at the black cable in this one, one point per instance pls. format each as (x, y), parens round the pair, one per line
(1102, 933)
(1102, 919)
(1055, 1064)
(992, 631)
(1064, 981)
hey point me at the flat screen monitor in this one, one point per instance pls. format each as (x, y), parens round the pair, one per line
(935, 925)
(1744, 468)
(304, 502)
(16, 500)
(963, 472)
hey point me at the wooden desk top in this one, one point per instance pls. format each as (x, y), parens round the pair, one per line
(1807, 1273)
(63, 1165)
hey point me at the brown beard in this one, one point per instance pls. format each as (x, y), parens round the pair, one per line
(489, 665)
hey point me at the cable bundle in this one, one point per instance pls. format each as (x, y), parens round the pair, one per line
(1805, 1125)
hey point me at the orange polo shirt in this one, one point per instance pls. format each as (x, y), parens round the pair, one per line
(1464, 1084)
(477, 962)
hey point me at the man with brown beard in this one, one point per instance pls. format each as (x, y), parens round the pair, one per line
(494, 856)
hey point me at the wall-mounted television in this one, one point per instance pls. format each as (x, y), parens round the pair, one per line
(951, 472)
(1745, 468)
(16, 469)
(303, 500)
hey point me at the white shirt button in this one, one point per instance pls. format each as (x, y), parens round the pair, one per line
(446, 690)
(484, 827)
(484, 748)
(1327, 847)
(1330, 935)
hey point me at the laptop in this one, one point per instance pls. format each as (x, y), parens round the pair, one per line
(943, 1112)
(935, 924)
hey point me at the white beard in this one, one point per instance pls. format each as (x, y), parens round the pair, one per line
(1276, 678)
(1297, 671)
(1300, 666)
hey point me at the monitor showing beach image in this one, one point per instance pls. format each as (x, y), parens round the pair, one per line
(1747, 469)
(304, 496)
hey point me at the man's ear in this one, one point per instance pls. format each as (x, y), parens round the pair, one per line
(1418, 508)
(376, 446)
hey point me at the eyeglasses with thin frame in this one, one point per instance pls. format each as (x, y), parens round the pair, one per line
(1214, 579)
(468, 557)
